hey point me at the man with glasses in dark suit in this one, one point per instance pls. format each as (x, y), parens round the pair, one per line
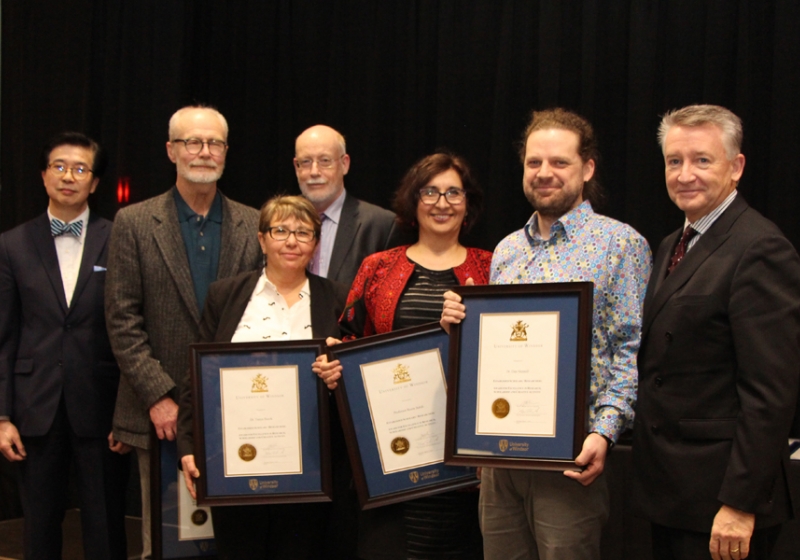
(58, 377)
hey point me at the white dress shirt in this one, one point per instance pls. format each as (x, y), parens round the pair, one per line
(70, 253)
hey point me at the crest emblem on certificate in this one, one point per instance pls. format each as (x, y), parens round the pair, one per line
(259, 384)
(413, 476)
(253, 484)
(400, 445)
(401, 374)
(247, 452)
(503, 445)
(519, 332)
(500, 408)
(199, 517)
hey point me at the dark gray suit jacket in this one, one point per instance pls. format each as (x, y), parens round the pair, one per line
(363, 229)
(719, 367)
(151, 309)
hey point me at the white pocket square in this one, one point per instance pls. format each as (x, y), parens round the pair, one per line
(99, 268)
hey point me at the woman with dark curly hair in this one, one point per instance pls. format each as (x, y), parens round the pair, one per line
(403, 287)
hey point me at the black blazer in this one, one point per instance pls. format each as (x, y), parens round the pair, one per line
(718, 375)
(225, 304)
(46, 348)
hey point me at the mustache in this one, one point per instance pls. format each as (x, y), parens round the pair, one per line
(319, 181)
(551, 182)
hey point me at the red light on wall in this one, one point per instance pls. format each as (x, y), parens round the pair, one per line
(123, 190)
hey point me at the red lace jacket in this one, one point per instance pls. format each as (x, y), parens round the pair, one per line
(381, 280)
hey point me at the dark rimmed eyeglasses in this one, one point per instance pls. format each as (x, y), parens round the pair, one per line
(280, 233)
(431, 195)
(195, 145)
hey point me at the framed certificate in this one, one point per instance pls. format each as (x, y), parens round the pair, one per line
(261, 424)
(519, 379)
(392, 404)
(179, 528)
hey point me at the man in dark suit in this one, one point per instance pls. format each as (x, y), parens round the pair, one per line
(351, 228)
(58, 377)
(718, 363)
(164, 253)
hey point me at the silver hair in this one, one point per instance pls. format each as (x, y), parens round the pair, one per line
(699, 115)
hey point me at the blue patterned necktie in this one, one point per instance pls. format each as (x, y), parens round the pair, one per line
(57, 227)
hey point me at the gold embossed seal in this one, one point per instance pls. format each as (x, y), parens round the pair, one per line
(247, 452)
(199, 517)
(400, 445)
(500, 408)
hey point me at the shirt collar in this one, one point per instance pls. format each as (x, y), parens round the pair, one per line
(334, 211)
(264, 285)
(82, 216)
(567, 225)
(185, 213)
(701, 226)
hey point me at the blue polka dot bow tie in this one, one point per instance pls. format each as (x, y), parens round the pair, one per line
(57, 227)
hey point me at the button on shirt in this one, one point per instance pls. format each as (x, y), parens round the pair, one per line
(584, 246)
(202, 239)
(70, 254)
(267, 317)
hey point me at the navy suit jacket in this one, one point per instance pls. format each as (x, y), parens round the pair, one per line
(47, 348)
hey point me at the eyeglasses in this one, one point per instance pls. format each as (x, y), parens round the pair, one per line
(323, 163)
(431, 195)
(79, 172)
(280, 233)
(195, 145)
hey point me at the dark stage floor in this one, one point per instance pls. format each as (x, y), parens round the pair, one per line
(11, 537)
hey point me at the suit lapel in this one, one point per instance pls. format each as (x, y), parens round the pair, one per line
(322, 323)
(232, 241)
(169, 240)
(46, 247)
(346, 232)
(96, 235)
(235, 307)
(718, 233)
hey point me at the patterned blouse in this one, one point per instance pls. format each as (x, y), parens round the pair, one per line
(380, 282)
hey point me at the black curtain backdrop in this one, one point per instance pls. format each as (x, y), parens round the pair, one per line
(400, 78)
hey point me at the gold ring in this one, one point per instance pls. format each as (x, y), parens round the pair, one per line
(734, 550)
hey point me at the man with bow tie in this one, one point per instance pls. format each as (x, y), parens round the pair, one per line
(58, 376)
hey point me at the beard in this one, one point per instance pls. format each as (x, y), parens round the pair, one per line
(201, 175)
(555, 205)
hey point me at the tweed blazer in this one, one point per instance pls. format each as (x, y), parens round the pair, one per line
(151, 309)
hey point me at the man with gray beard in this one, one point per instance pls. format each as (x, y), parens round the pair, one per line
(351, 228)
(163, 255)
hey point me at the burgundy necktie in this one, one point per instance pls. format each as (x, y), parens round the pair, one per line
(680, 250)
